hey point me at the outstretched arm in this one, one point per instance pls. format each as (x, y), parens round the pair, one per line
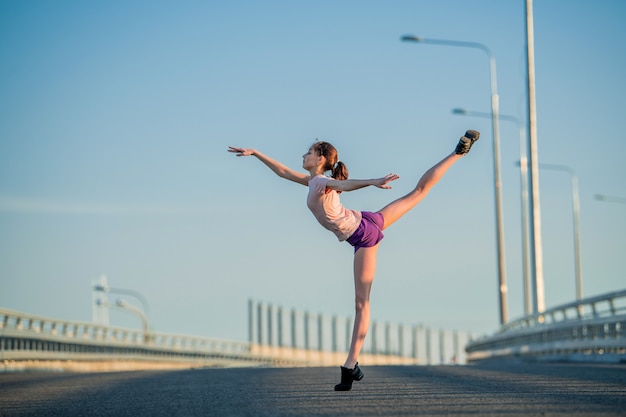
(280, 169)
(351, 185)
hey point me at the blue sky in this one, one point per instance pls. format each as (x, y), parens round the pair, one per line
(116, 116)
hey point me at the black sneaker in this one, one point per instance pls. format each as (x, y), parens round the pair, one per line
(466, 142)
(347, 376)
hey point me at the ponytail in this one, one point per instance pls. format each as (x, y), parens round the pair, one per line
(340, 171)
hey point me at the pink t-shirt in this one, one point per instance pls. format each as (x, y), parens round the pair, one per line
(329, 211)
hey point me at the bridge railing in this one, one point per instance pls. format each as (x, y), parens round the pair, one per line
(302, 339)
(591, 329)
(31, 337)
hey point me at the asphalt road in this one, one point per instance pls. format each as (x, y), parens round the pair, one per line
(507, 390)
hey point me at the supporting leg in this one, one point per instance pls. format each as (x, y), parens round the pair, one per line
(364, 271)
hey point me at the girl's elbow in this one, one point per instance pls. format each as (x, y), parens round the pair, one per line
(283, 174)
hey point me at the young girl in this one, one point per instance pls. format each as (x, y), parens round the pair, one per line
(361, 229)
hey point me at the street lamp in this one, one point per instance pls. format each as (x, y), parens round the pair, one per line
(576, 213)
(106, 289)
(496, 158)
(610, 199)
(536, 248)
(523, 197)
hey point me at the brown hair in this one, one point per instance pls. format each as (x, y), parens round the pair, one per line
(333, 164)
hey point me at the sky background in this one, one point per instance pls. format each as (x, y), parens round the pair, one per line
(115, 118)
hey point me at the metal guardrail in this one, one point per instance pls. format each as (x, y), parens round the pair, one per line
(591, 329)
(31, 337)
(31, 341)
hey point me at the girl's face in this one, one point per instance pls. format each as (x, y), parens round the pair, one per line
(311, 159)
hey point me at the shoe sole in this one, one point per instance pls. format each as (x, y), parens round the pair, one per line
(472, 135)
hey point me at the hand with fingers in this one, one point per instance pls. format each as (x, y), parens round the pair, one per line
(382, 182)
(241, 151)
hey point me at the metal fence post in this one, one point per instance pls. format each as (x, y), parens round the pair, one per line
(279, 326)
(442, 355)
(349, 325)
(259, 323)
(294, 333)
(333, 325)
(306, 331)
(374, 349)
(270, 336)
(250, 320)
(320, 330)
(429, 359)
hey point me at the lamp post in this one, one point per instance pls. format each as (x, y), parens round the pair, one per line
(106, 289)
(576, 215)
(496, 158)
(536, 247)
(523, 197)
(610, 199)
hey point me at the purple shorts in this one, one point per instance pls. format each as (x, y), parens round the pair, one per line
(370, 231)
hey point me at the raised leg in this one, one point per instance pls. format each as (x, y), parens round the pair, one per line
(398, 208)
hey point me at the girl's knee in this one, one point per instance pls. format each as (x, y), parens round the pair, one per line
(361, 303)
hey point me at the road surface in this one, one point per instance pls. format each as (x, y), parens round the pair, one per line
(497, 389)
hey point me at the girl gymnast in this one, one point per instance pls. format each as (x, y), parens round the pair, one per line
(362, 229)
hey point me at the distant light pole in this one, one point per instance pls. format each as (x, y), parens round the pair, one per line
(576, 213)
(106, 289)
(610, 199)
(523, 197)
(536, 246)
(496, 159)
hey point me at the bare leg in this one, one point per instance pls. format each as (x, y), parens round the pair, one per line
(365, 258)
(364, 271)
(396, 209)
